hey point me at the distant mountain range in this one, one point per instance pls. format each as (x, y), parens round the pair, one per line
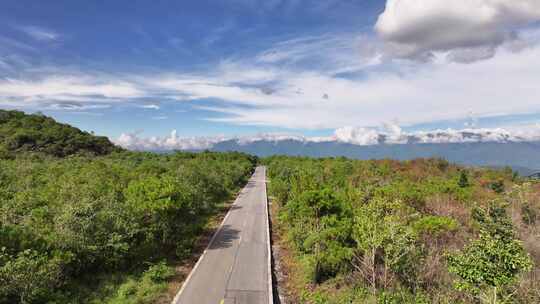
(523, 157)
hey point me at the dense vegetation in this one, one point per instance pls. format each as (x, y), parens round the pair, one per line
(421, 231)
(64, 219)
(99, 229)
(20, 132)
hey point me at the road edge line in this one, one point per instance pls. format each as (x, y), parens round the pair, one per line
(186, 281)
(269, 247)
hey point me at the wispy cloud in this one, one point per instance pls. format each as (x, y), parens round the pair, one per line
(254, 93)
(40, 33)
(160, 117)
(150, 106)
(332, 53)
(75, 88)
(334, 79)
(76, 106)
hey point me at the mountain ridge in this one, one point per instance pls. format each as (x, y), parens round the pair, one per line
(522, 156)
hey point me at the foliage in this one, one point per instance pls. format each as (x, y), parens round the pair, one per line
(379, 231)
(20, 132)
(64, 219)
(497, 187)
(380, 228)
(434, 225)
(28, 276)
(494, 260)
(319, 230)
(143, 290)
(463, 181)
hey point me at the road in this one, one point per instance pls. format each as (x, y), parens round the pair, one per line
(234, 269)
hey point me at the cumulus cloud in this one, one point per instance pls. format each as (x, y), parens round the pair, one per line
(357, 136)
(395, 135)
(134, 141)
(468, 30)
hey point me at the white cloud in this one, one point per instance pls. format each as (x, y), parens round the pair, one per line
(69, 88)
(273, 137)
(134, 141)
(150, 106)
(40, 33)
(76, 106)
(284, 93)
(506, 83)
(332, 53)
(388, 134)
(257, 94)
(357, 136)
(468, 30)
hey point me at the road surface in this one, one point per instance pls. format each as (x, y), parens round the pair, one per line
(234, 269)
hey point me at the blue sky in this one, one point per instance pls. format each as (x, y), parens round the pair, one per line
(241, 67)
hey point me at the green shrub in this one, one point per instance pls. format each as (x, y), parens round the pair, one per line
(493, 261)
(434, 225)
(29, 276)
(463, 181)
(497, 187)
(159, 272)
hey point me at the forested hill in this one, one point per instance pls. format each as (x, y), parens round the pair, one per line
(20, 132)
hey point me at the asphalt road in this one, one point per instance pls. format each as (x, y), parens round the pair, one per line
(234, 268)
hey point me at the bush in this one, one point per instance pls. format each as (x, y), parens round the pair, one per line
(29, 276)
(159, 272)
(491, 262)
(434, 225)
(497, 187)
(463, 181)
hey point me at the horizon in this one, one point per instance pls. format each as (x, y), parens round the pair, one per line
(170, 73)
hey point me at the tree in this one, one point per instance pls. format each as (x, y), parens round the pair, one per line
(29, 276)
(321, 229)
(463, 179)
(491, 262)
(379, 232)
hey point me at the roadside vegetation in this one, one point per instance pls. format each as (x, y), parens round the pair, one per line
(421, 231)
(82, 221)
